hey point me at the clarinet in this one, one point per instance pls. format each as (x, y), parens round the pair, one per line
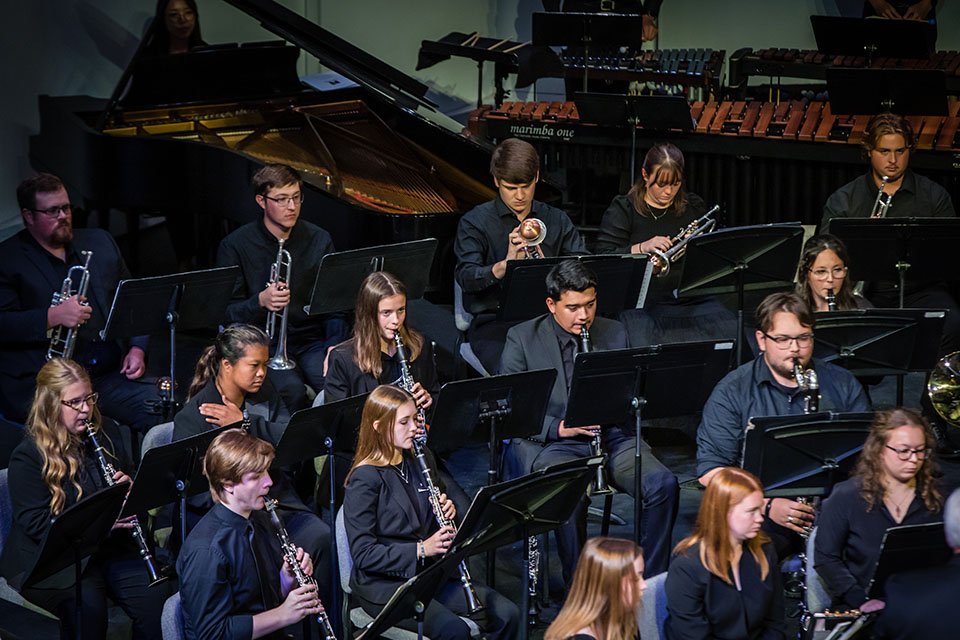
(107, 469)
(406, 378)
(600, 485)
(290, 553)
(831, 300)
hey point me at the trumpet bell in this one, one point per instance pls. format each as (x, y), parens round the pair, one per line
(533, 231)
(943, 388)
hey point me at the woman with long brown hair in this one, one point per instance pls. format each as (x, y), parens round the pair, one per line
(604, 595)
(893, 484)
(53, 468)
(723, 581)
(823, 270)
(175, 29)
(392, 530)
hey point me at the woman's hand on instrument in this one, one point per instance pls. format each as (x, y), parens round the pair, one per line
(134, 364)
(660, 243)
(885, 10)
(449, 510)
(564, 431)
(421, 396)
(70, 313)
(918, 11)
(299, 603)
(439, 542)
(870, 606)
(120, 476)
(791, 514)
(274, 297)
(221, 414)
(123, 523)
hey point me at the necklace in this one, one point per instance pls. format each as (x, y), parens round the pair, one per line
(401, 471)
(898, 505)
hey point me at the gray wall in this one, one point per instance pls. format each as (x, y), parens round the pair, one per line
(65, 47)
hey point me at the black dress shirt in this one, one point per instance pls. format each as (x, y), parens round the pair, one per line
(750, 391)
(917, 197)
(229, 570)
(848, 539)
(345, 379)
(921, 604)
(481, 242)
(254, 249)
(701, 605)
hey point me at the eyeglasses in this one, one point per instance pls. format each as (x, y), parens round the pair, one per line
(284, 201)
(76, 403)
(55, 211)
(783, 342)
(836, 272)
(904, 454)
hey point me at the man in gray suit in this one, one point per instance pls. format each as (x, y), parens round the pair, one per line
(551, 341)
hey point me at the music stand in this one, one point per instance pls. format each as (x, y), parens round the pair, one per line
(75, 534)
(340, 274)
(880, 342)
(838, 35)
(914, 546)
(895, 248)
(741, 259)
(909, 92)
(659, 381)
(803, 455)
(189, 300)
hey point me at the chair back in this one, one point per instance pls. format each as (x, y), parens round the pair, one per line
(6, 508)
(652, 613)
(817, 596)
(171, 620)
(158, 435)
(343, 553)
(461, 316)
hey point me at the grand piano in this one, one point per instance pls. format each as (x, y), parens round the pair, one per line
(183, 134)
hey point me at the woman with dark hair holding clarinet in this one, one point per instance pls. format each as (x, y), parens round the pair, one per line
(822, 276)
(55, 467)
(394, 530)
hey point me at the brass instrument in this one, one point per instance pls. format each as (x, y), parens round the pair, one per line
(107, 469)
(882, 204)
(62, 346)
(280, 274)
(406, 381)
(943, 388)
(533, 230)
(600, 485)
(831, 300)
(809, 386)
(290, 553)
(663, 259)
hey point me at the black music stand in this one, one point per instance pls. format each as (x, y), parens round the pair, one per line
(871, 37)
(169, 473)
(804, 455)
(741, 259)
(895, 248)
(909, 92)
(880, 342)
(659, 381)
(524, 289)
(75, 534)
(488, 410)
(189, 300)
(913, 546)
(341, 274)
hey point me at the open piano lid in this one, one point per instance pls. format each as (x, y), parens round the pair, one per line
(336, 53)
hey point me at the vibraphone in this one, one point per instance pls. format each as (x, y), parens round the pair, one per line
(763, 162)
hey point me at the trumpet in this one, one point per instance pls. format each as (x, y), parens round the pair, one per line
(290, 553)
(809, 386)
(107, 469)
(62, 346)
(663, 259)
(280, 275)
(533, 230)
(600, 485)
(882, 204)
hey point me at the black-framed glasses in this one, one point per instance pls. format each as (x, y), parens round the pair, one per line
(783, 342)
(284, 201)
(76, 403)
(53, 212)
(904, 454)
(836, 272)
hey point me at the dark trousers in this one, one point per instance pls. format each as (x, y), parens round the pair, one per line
(441, 619)
(659, 487)
(309, 357)
(126, 400)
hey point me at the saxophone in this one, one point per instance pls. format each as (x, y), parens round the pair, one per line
(107, 469)
(290, 553)
(809, 386)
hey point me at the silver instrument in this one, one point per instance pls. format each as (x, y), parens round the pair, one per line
(107, 469)
(663, 259)
(809, 386)
(882, 204)
(831, 300)
(61, 346)
(533, 572)
(406, 381)
(533, 230)
(280, 274)
(600, 485)
(290, 553)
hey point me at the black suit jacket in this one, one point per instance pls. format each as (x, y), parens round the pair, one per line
(533, 345)
(28, 279)
(345, 379)
(922, 604)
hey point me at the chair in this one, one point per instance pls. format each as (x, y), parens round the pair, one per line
(652, 613)
(463, 318)
(171, 619)
(815, 590)
(158, 435)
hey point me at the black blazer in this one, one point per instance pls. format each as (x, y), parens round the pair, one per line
(533, 345)
(344, 378)
(383, 526)
(701, 605)
(921, 604)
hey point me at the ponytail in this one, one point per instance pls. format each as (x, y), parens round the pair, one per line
(207, 367)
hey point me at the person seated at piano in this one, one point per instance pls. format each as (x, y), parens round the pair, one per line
(255, 247)
(493, 233)
(231, 386)
(887, 143)
(175, 29)
(723, 580)
(33, 266)
(923, 603)
(894, 484)
(53, 468)
(649, 9)
(235, 582)
(650, 218)
(393, 530)
(822, 276)
(768, 387)
(551, 341)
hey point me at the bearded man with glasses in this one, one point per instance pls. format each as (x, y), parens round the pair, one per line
(767, 387)
(33, 265)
